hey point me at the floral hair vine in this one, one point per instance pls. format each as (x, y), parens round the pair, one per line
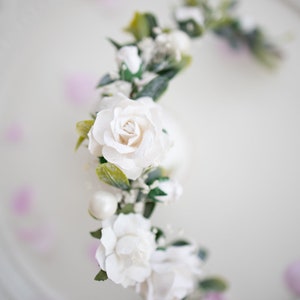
(129, 135)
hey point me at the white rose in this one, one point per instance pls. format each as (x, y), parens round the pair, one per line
(125, 249)
(186, 13)
(172, 188)
(174, 273)
(175, 43)
(130, 57)
(129, 134)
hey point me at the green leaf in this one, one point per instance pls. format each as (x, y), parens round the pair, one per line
(154, 175)
(156, 192)
(102, 160)
(213, 284)
(158, 233)
(203, 254)
(101, 276)
(127, 209)
(83, 127)
(79, 142)
(180, 243)
(149, 208)
(105, 80)
(96, 234)
(115, 44)
(172, 71)
(139, 26)
(152, 23)
(126, 75)
(191, 28)
(155, 88)
(112, 175)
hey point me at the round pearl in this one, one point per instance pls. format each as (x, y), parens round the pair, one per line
(103, 205)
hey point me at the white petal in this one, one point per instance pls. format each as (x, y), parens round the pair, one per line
(108, 239)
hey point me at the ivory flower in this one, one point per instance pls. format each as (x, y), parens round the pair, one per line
(130, 57)
(125, 249)
(173, 190)
(129, 134)
(174, 272)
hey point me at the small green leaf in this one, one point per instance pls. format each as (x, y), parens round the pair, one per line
(158, 233)
(112, 175)
(139, 26)
(191, 28)
(156, 192)
(101, 276)
(126, 75)
(96, 234)
(180, 243)
(149, 208)
(155, 88)
(79, 142)
(213, 284)
(102, 160)
(127, 209)
(115, 44)
(83, 127)
(152, 23)
(203, 254)
(105, 80)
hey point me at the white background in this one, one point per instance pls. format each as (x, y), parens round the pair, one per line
(241, 121)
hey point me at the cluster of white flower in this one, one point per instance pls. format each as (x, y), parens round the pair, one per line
(131, 137)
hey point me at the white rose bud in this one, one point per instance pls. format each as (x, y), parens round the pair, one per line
(103, 205)
(130, 57)
(173, 190)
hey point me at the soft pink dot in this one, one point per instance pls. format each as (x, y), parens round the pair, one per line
(92, 248)
(14, 133)
(292, 278)
(214, 296)
(80, 88)
(22, 200)
(40, 237)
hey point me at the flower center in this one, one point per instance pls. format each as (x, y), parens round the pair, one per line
(130, 133)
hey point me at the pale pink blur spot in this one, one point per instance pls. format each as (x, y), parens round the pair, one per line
(292, 278)
(40, 238)
(22, 200)
(80, 88)
(14, 133)
(214, 296)
(92, 248)
(229, 52)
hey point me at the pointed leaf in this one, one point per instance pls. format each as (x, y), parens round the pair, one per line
(105, 80)
(155, 88)
(213, 284)
(96, 234)
(83, 127)
(79, 142)
(139, 26)
(112, 175)
(101, 276)
(127, 209)
(149, 208)
(180, 243)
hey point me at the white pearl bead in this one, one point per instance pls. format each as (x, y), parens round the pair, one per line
(103, 205)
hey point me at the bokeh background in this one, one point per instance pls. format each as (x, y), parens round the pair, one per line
(240, 172)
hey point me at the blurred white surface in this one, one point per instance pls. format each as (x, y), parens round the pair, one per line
(242, 194)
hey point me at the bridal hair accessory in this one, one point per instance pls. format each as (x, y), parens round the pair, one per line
(130, 138)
